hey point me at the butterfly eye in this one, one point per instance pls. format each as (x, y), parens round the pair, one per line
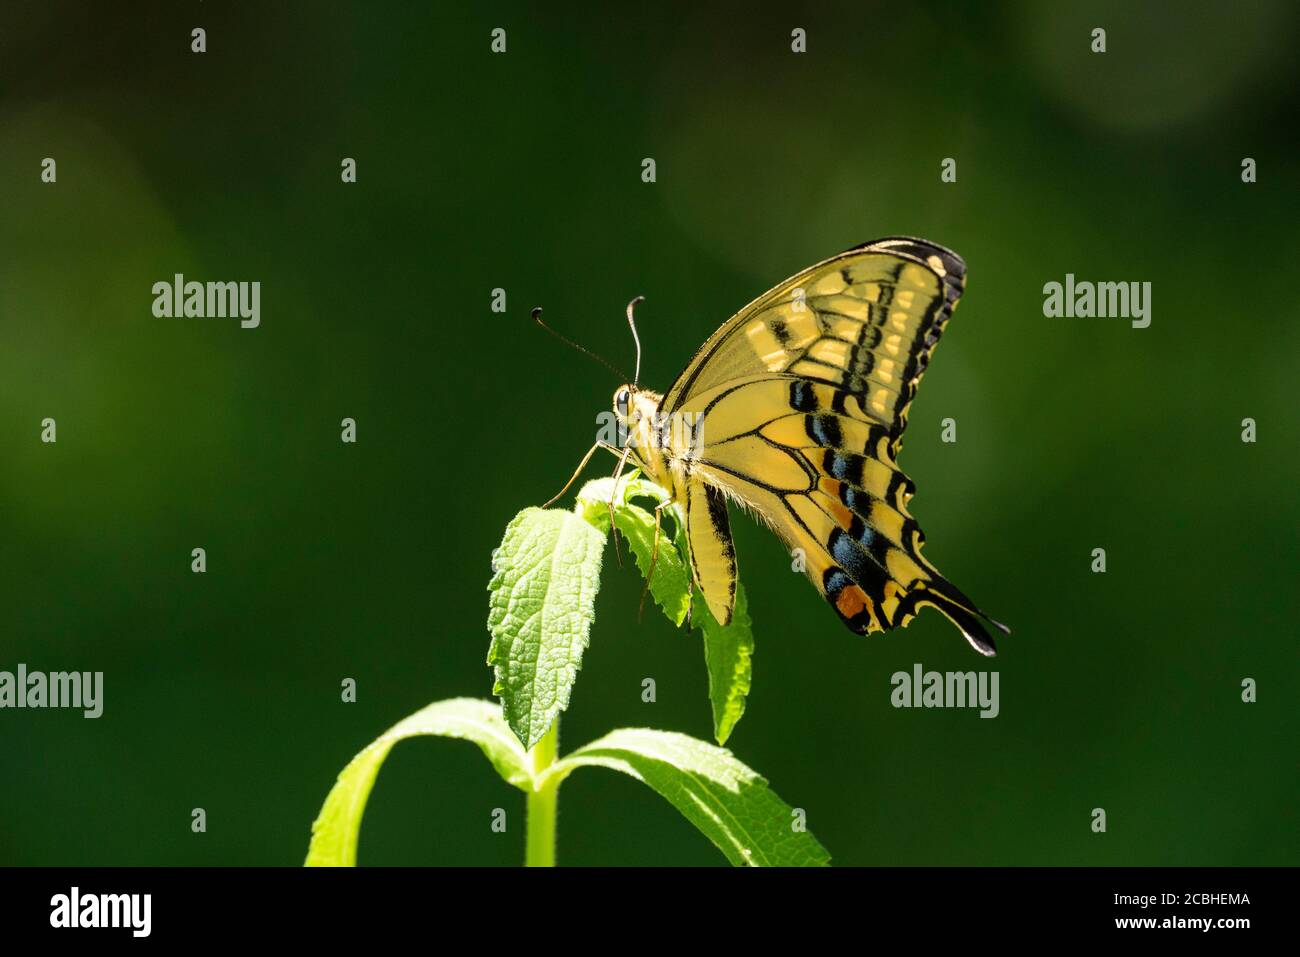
(621, 399)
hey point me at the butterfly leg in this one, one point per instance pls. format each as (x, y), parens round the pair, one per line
(600, 444)
(690, 583)
(576, 472)
(654, 557)
(618, 470)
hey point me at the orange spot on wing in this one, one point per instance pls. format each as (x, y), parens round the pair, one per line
(852, 601)
(843, 517)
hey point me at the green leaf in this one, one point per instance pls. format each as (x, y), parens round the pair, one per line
(592, 500)
(335, 831)
(540, 612)
(670, 583)
(728, 653)
(731, 804)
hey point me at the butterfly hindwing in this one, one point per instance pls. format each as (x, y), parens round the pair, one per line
(846, 515)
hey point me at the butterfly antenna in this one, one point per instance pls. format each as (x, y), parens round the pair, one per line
(537, 317)
(636, 379)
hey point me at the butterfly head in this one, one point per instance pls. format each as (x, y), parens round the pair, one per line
(635, 408)
(637, 412)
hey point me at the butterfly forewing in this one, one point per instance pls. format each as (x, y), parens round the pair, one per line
(864, 322)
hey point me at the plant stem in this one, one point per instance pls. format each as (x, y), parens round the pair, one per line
(543, 803)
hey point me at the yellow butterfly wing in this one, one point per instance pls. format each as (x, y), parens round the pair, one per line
(803, 399)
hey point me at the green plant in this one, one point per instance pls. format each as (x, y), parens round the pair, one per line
(543, 591)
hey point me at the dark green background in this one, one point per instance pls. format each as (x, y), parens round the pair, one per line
(328, 561)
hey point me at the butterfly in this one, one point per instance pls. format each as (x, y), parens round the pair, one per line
(795, 410)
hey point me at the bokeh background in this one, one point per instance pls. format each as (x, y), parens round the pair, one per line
(522, 171)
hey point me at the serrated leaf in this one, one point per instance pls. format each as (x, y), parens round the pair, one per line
(728, 654)
(727, 801)
(541, 608)
(336, 829)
